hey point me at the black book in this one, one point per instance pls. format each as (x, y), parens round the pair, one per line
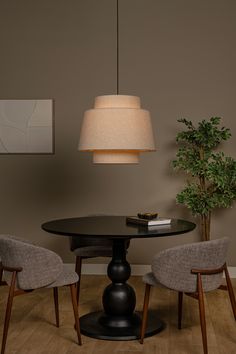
(153, 222)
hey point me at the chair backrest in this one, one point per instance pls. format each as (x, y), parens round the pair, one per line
(78, 242)
(172, 267)
(40, 267)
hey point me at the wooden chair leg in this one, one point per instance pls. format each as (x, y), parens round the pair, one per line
(180, 308)
(8, 311)
(55, 296)
(230, 291)
(202, 312)
(78, 266)
(145, 312)
(1, 272)
(75, 309)
(1, 275)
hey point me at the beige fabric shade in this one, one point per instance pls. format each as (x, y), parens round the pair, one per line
(116, 130)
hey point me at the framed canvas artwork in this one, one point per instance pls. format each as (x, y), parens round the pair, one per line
(26, 126)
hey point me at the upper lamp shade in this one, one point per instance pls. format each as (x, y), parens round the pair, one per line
(116, 130)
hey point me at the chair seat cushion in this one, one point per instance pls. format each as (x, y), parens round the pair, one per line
(149, 278)
(66, 277)
(93, 251)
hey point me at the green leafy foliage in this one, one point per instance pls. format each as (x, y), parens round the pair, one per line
(207, 135)
(212, 175)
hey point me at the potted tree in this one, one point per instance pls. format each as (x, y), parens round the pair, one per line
(212, 182)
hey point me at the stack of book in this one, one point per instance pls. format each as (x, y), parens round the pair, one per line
(153, 222)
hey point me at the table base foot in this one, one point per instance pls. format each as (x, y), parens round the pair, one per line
(93, 325)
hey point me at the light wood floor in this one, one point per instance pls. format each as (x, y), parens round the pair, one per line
(32, 329)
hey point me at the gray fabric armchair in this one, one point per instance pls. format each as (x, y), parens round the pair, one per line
(191, 269)
(28, 267)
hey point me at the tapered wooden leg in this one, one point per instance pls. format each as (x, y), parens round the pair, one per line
(1, 273)
(180, 307)
(78, 267)
(145, 312)
(230, 291)
(8, 312)
(55, 296)
(202, 312)
(76, 314)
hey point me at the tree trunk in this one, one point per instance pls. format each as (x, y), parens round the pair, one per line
(209, 226)
(206, 223)
(205, 218)
(203, 228)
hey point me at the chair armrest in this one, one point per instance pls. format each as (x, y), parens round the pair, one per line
(11, 269)
(208, 271)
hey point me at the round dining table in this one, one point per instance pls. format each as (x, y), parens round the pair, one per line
(118, 320)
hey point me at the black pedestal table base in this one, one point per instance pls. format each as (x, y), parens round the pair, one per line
(92, 325)
(118, 321)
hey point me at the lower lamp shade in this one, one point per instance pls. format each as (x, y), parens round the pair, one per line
(116, 130)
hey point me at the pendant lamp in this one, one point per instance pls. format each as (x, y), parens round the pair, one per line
(116, 130)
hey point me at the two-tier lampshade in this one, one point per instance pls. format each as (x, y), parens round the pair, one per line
(116, 130)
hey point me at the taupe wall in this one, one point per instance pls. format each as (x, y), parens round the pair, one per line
(178, 55)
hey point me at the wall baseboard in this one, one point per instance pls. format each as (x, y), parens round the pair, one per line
(232, 272)
(136, 269)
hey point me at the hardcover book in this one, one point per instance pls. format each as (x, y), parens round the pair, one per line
(156, 221)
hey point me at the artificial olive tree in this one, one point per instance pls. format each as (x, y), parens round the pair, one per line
(212, 182)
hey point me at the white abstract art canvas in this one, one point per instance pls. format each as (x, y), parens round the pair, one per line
(26, 126)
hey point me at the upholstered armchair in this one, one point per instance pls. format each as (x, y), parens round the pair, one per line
(190, 269)
(28, 267)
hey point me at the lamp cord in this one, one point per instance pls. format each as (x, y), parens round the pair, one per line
(117, 47)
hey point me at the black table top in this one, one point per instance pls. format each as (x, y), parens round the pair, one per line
(114, 227)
